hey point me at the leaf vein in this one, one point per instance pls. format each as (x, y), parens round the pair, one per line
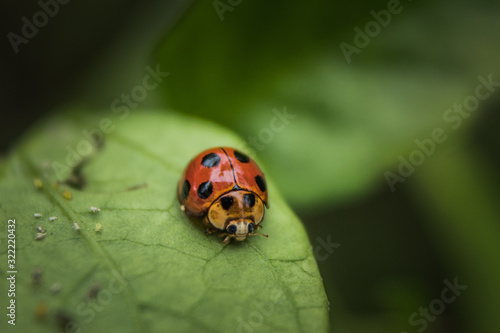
(106, 260)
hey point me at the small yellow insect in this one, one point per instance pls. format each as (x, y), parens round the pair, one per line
(38, 183)
(98, 227)
(67, 194)
(41, 310)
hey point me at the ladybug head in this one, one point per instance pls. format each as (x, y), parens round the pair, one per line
(239, 213)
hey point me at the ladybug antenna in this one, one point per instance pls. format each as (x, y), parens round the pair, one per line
(257, 233)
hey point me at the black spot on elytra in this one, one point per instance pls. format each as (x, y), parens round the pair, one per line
(249, 199)
(204, 190)
(261, 183)
(241, 157)
(210, 160)
(185, 190)
(226, 202)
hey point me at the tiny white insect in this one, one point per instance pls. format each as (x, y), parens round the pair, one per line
(52, 218)
(55, 288)
(94, 209)
(37, 215)
(76, 226)
(40, 229)
(40, 236)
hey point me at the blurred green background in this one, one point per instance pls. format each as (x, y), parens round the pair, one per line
(351, 121)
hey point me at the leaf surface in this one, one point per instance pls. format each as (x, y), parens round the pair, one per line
(150, 268)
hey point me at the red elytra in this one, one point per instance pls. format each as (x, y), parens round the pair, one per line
(215, 172)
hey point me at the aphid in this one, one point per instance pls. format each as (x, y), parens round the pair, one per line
(45, 164)
(38, 183)
(55, 288)
(228, 189)
(40, 229)
(67, 194)
(98, 227)
(137, 187)
(39, 236)
(76, 226)
(94, 210)
(37, 215)
(94, 291)
(52, 218)
(36, 276)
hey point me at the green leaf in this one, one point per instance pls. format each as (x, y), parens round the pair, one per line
(151, 268)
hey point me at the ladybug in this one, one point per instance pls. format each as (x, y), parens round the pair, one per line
(228, 189)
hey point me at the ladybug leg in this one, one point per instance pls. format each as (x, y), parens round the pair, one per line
(227, 239)
(210, 230)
